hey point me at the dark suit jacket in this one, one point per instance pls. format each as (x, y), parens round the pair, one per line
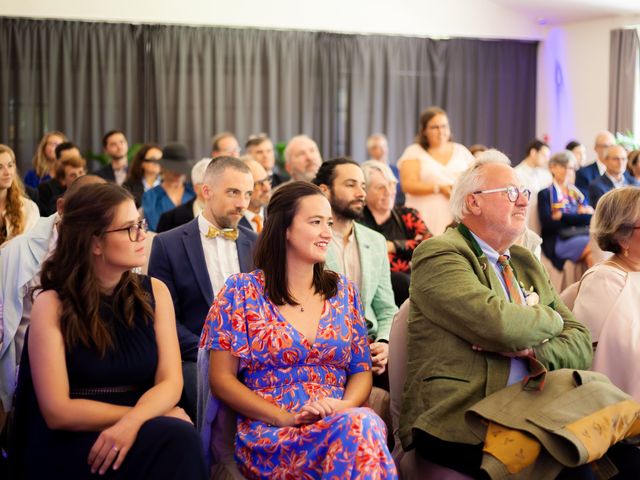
(177, 258)
(177, 216)
(106, 172)
(602, 185)
(584, 177)
(551, 228)
(33, 194)
(245, 223)
(588, 174)
(48, 193)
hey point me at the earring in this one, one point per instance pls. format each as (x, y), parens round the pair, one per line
(626, 252)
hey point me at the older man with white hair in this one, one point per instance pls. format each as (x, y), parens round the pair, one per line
(483, 315)
(302, 158)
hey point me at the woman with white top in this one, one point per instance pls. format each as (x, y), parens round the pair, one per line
(429, 167)
(608, 297)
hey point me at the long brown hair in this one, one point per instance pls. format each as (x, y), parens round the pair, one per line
(425, 118)
(135, 170)
(271, 249)
(13, 213)
(40, 162)
(88, 212)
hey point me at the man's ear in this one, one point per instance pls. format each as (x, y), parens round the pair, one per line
(325, 189)
(472, 204)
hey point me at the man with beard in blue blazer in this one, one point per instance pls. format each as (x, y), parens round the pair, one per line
(195, 259)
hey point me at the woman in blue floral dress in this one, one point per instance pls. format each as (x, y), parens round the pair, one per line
(289, 353)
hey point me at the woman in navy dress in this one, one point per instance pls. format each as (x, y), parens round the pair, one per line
(101, 376)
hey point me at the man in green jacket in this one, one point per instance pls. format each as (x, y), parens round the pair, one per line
(483, 315)
(361, 254)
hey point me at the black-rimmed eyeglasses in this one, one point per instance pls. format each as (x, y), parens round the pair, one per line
(513, 192)
(133, 230)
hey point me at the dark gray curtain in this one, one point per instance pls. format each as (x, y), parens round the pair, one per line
(625, 54)
(176, 83)
(80, 78)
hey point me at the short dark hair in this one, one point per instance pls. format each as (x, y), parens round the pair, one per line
(62, 147)
(216, 140)
(220, 164)
(271, 249)
(327, 171)
(572, 144)
(536, 145)
(105, 139)
(255, 140)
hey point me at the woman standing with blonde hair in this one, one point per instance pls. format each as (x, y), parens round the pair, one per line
(17, 212)
(44, 159)
(430, 166)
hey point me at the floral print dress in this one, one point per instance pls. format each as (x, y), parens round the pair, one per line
(278, 363)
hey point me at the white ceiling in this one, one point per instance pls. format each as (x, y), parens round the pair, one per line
(562, 11)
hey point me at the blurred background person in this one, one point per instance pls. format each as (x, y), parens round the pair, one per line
(564, 215)
(302, 158)
(378, 149)
(260, 148)
(44, 159)
(254, 215)
(430, 166)
(533, 170)
(579, 151)
(174, 189)
(189, 210)
(69, 166)
(17, 213)
(477, 148)
(116, 147)
(144, 173)
(402, 227)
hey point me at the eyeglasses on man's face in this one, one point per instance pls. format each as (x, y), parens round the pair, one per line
(513, 192)
(133, 230)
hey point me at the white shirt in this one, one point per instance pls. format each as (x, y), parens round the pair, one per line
(220, 255)
(533, 178)
(249, 216)
(348, 256)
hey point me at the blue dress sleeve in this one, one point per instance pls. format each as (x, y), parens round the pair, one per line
(225, 327)
(360, 354)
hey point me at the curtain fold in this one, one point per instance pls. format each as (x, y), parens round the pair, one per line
(179, 83)
(624, 57)
(78, 77)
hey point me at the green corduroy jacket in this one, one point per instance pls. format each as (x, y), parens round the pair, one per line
(457, 301)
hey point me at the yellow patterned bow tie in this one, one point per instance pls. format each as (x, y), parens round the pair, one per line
(228, 233)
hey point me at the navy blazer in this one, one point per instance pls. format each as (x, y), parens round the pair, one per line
(551, 228)
(177, 216)
(177, 258)
(586, 175)
(603, 184)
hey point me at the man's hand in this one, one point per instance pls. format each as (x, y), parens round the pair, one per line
(379, 357)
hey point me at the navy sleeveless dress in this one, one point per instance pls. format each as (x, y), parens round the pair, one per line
(165, 448)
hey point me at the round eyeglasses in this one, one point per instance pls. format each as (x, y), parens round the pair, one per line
(513, 192)
(133, 230)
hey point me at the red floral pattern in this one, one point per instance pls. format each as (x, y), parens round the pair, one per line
(279, 364)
